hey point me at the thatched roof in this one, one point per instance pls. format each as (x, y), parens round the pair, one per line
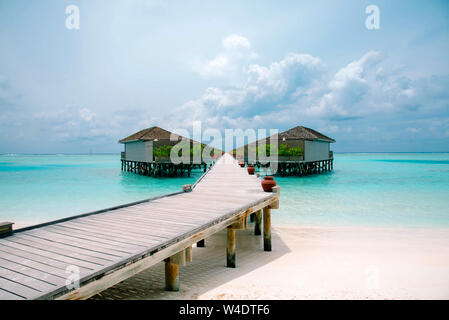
(150, 134)
(303, 133)
(297, 133)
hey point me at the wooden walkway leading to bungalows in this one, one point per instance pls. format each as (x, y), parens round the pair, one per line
(77, 257)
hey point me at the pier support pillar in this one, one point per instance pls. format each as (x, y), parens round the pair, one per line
(201, 243)
(172, 270)
(171, 276)
(258, 222)
(267, 229)
(230, 249)
(252, 217)
(189, 254)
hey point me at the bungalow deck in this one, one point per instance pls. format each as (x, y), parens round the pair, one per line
(77, 257)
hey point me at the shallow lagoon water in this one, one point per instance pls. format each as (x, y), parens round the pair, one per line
(38, 188)
(397, 190)
(389, 190)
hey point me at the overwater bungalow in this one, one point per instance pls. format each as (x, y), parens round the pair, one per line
(301, 151)
(147, 152)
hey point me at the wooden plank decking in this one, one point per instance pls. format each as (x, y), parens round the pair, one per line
(108, 246)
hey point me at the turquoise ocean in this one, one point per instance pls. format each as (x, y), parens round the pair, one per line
(365, 189)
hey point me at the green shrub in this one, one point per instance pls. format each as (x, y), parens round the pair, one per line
(295, 152)
(165, 150)
(267, 151)
(162, 151)
(178, 148)
(197, 150)
(283, 150)
(286, 151)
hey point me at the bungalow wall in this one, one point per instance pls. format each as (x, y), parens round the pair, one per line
(141, 151)
(316, 150)
(313, 150)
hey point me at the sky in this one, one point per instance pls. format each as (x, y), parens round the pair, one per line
(225, 65)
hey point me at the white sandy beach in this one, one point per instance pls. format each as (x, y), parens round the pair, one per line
(309, 263)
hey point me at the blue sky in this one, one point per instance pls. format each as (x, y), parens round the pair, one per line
(229, 64)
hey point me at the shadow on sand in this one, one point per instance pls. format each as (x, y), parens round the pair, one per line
(207, 271)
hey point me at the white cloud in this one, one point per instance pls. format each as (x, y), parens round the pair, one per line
(284, 77)
(362, 98)
(86, 114)
(299, 89)
(230, 62)
(235, 41)
(263, 90)
(355, 71)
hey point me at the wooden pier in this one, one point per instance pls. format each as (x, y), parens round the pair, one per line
(298, 168)
(78, 257)
(162, 169)
(302, 168)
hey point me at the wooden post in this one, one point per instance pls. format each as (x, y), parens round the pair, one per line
(171, 276)
(189, 254)
(230, 249)
(258, 220)
(275, 204)
(6, 229)
(172, 270)
(201, 243)
(267, 229)
(241, 224)
(252, 217)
